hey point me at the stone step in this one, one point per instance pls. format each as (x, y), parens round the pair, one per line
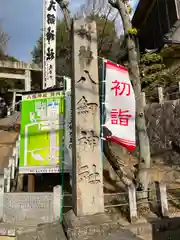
(29, 235)
(153, 229)
(156, 229)
(10, 229)
(53, 231)
(113, 234)
(49, 231)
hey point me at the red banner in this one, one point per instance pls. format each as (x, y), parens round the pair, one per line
(119, 106)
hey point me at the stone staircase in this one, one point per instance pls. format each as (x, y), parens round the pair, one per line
(151, 229)
(156, 228)
(53, 231)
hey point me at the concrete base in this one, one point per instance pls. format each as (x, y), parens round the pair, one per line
(156, 228)
(99, 227)
(47, 231)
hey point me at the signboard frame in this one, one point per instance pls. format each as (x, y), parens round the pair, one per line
(51, 96)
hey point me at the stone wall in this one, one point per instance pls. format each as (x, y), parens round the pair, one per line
(163, 124)
(32, 208)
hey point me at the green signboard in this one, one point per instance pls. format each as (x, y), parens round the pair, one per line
(42, 132)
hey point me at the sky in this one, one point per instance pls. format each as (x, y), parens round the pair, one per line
(23, 21)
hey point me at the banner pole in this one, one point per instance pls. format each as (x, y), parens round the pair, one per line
(62, 153)
(102, 106)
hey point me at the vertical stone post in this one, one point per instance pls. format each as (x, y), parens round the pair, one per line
(27, 78)
(1, 196)
(161, 195)
(88, 197)
(14, 162)
(13, 102)
(143, 95)
(11, 167)
(132, 203)
(161, 95)
(9, 111)
(17, 151)
(57, 201)
(7, 178)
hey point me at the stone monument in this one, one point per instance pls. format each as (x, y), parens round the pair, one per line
(88, 196)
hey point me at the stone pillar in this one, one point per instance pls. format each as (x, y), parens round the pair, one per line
(17, 151)
(12, 166)
(88, 197)
(132, 203)
(1, 196)
(27, 82)
(161, 95)
(57, 201)
(13, 102)
(7, 178)
(161, 195)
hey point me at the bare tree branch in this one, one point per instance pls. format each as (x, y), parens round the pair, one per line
(3, 40)
(113, 4)
(64, 8)
(102, 33)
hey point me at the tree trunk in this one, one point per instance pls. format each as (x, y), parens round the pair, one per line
(116, 164)
(67, 17)
(144, 154)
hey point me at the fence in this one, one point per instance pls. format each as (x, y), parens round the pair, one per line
(162, 201)
(171, 93)
(35, 208)
(127, 204)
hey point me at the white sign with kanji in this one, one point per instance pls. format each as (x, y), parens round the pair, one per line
(49, 43)
(120, 106)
